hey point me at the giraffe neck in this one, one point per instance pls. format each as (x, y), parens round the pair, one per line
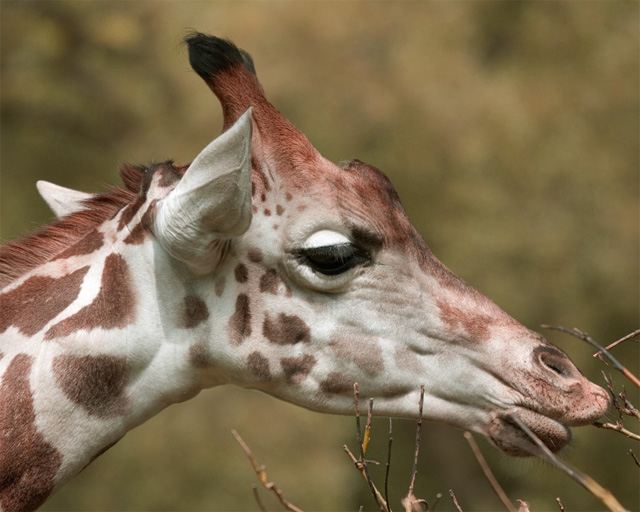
(86, 356)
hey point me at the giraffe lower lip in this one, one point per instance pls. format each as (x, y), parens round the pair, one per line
(507, 435)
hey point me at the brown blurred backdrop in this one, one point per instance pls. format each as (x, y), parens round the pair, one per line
(510, 129)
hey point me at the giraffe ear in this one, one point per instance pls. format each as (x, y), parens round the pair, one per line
(62, 201)
(212, 201)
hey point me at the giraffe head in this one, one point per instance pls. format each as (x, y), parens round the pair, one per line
(301, 278)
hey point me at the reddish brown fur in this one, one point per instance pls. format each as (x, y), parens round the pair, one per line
(90, 243)
(259, 366)
(194, 312)
(474, 324)
(296, 368)
(25, 480)
(113, 307)
(96, 383)
(38, 300)
(242, 273)
(286, 330)
(19, 257)
(240, 322)
(336, 383)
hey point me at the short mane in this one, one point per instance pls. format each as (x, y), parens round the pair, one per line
(20, 256)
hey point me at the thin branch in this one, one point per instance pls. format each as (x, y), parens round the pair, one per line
(635, 457)
(360, 467)
(257, 498)
(618, 428)
(583, 479)
(362, 463)
(262, 475)
(410, 502)
(488, 473)
(629, 336)
(585, 337)
(386, 474)
(560, 505)
(524, 507)
(455, 501)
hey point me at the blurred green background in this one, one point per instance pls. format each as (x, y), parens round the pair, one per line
(510, 129)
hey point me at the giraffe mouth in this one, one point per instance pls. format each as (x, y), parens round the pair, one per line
(508, 436)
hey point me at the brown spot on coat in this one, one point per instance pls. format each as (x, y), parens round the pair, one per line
(255, 255)
(96, 383)
(296, 368)
(279, 210)
(242, 273)
(28, 464)
(286, 330)
(240, 322)
(113, 307)
(259, 366)
(38, 300)
(200, 355)
(474, 324)
(194, 312)
(336, 383)
(267, 212)
(88, 244)
(269, 281)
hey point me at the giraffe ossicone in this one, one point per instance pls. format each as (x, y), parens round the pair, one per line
(263, 265)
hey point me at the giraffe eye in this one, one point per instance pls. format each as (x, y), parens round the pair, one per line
(332, 260)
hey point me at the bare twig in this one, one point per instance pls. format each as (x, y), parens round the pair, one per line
(524, 507)
(254, 487)
(583, 479)
(635, 457)
(410, 502)
(488, 473)
(360, 467)
(386, 474)
(629, 336)
(361, 464)
(585, 337)
(262, 475)
(455, 501)
(618, 428)
(560, 505)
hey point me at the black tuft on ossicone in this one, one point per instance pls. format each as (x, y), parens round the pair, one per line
(209, 55)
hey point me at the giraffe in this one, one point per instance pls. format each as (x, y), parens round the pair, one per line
(260, 264)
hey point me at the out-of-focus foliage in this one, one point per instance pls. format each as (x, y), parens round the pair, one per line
(510, 130)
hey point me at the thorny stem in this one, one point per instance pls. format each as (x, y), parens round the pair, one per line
(583, 479)
(585, 337)
(359, 466)
(488, 473)
(262, 476)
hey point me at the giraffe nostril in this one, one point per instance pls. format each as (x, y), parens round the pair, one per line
(557, 362)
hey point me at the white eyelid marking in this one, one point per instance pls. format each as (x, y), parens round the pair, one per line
(324, 238)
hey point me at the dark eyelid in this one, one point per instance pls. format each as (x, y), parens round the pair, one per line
(366, 238)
